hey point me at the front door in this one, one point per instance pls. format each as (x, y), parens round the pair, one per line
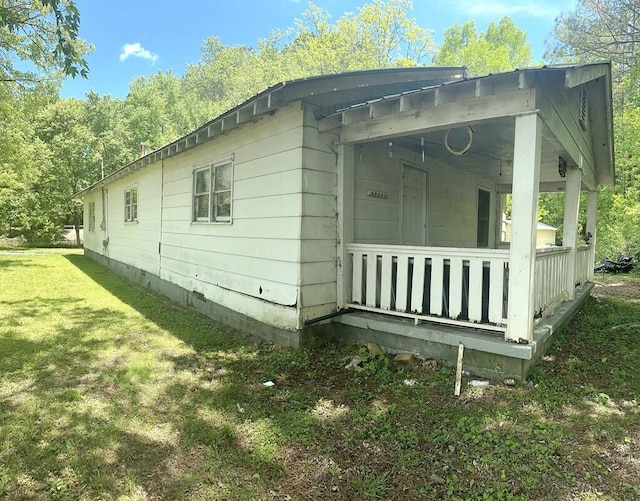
(414, 206)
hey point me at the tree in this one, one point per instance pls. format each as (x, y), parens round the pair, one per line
(22, 157)
(379, 34)
(112, 142)
(598, 29)
(72, 165)
(224, 76)
(610, 29)
(503, 47)
(44, 32)
(162, 107)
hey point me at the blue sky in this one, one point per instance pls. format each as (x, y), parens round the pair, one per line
(133, 38)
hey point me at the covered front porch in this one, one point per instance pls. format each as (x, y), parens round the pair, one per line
(424, 179)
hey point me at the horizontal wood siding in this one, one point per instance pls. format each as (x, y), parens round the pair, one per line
(453, 207)
(136, 244)
(318, 251)
(376, 220)
(93, 239)
(451, 199)
(257, 256)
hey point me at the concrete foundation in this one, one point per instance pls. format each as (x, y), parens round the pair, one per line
(486, 353)
(306, 337)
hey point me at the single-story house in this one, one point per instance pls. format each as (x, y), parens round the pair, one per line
(367, 206)
(545, 234)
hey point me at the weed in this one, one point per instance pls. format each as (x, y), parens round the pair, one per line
(378, 367)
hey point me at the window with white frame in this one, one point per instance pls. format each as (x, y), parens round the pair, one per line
(92, 216)
(212, 192)
(131, 205)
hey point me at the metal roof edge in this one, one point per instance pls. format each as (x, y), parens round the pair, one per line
(152, 157)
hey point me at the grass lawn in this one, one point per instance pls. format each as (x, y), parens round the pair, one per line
(108, 392)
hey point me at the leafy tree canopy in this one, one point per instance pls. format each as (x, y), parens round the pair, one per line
(597, 30)
(503, 47)
(610, 30)
(43, 32)
(379, 34)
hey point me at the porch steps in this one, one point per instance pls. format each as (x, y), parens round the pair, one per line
(486, 354)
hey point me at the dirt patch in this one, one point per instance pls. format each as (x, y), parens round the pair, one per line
(617, 286)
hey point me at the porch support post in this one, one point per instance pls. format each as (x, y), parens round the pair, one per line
(522, 253)
(570, 226)
(345, 203)
(592, 210)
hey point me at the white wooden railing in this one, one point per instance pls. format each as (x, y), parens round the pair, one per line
(584, 263)
(448, 285)
(551, 276)
(550, 279)
(454, 285)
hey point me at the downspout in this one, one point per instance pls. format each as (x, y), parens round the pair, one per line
(300, 299)
(161, 217)
(104, 224)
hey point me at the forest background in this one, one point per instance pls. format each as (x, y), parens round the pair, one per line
(52, 147)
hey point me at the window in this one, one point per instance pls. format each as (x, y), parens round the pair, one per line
(131, 205)
(484, 202)
(92, 216)
(212, 186)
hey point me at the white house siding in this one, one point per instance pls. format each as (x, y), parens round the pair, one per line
(135, 243)
(376, 220)
(318, 251)
(93, 238)
(252, 265)
(453, 207)
(451, 199)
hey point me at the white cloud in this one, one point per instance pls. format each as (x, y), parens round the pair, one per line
(533, 8)
(137, 50)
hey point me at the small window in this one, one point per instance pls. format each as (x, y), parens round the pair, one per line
(212, 193)
(92, 216)
(131, 205)
(484, 203)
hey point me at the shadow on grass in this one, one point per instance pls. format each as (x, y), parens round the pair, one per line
(7, 263)
(104, 412)
(87, 411)
(189, 326)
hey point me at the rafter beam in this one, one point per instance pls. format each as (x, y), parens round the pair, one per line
(438, 117)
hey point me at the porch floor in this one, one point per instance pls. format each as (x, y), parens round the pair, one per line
(486, 353)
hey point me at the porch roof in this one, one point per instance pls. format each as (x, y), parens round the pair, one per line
(414, 117)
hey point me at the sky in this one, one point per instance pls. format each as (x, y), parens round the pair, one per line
(139, 38)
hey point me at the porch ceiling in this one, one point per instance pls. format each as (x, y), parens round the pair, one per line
(490, 155)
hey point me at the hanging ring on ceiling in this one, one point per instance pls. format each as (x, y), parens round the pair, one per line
(463, 150)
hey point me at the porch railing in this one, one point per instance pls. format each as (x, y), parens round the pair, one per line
(453, 285)
(448, 285)
(550, 283)
(584, 263)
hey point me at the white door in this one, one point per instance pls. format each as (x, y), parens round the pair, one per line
(414, 206)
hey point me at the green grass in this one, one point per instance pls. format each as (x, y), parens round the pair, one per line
(109, 392)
